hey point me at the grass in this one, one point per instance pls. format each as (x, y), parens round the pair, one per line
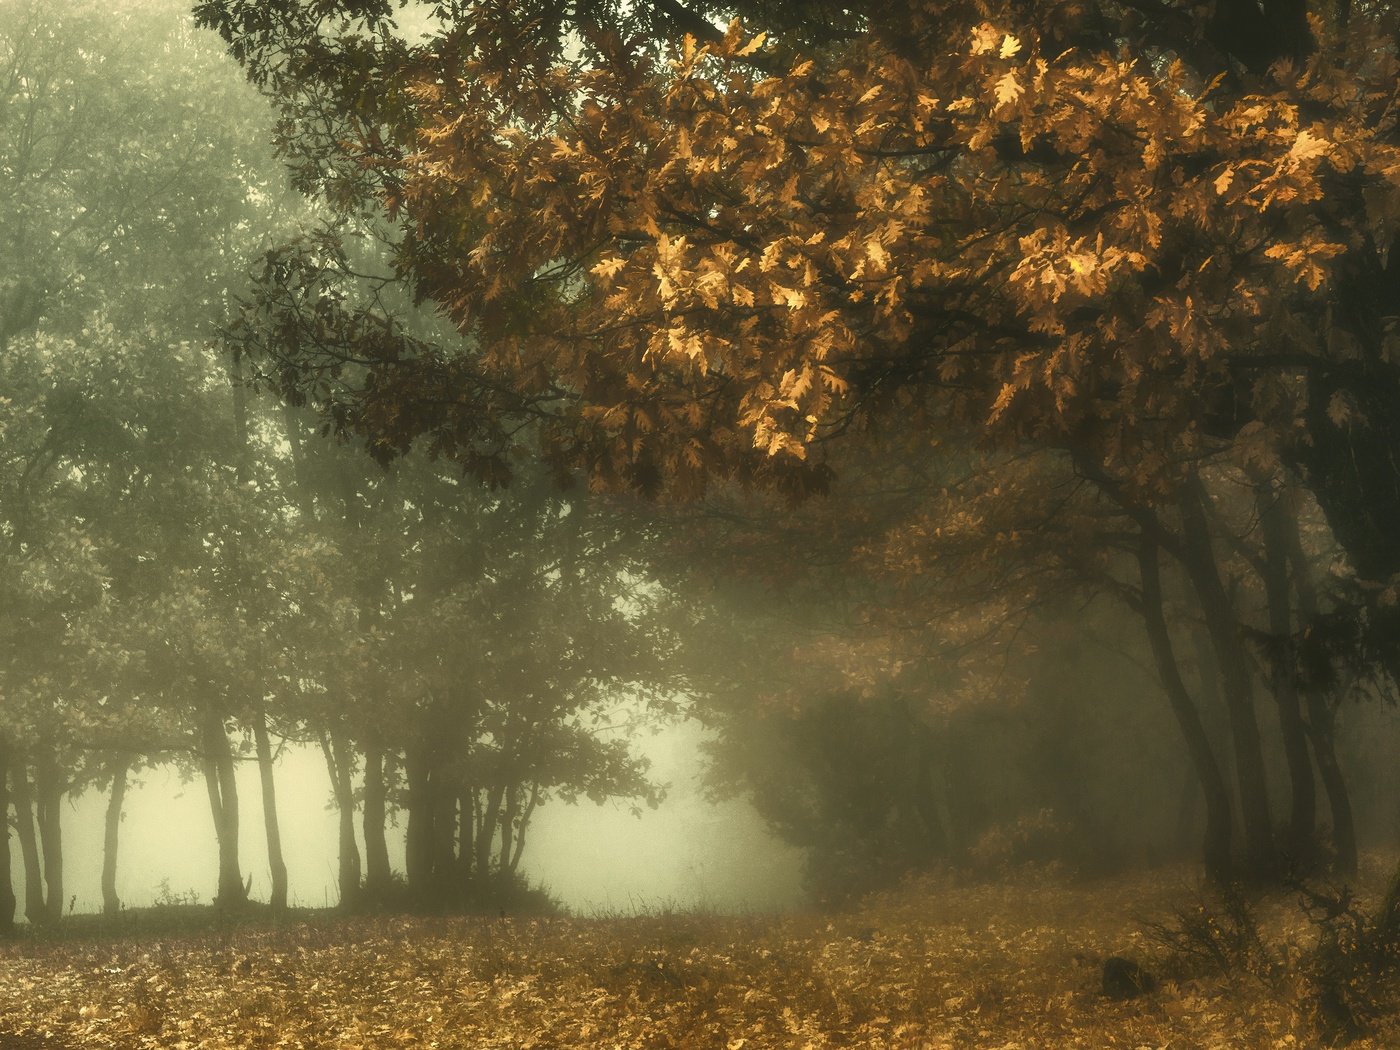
(935, 964)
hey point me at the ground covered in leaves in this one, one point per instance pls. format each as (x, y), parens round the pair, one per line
(1015, 964)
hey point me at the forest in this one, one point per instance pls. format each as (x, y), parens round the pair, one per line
(979, 419)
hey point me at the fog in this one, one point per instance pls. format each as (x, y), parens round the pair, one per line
(687, 854)
(903, 498)
(292, 451)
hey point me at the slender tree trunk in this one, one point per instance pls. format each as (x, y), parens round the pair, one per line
(276, 863)
(111, 904)
(7, 886)
(1274, 526)
(339, 763)
(1322, 735)
(378, 875)
(223, 803)
(34, 909)
(1201, 567)
(466, 837)
(524, 822)
(49, 789)
(1216, 847)
(508, 826)
(1322, 718)
(418, 848)
(444, 834)
(486, 834)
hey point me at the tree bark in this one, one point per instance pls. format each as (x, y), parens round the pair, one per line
(466, 835)
(524, 822)
(34, 909)
(111, 903)
(1321, 722)
(276, 863)
(7, 886)
(223, 803)
(340, 765)
(486, 834)
(49, 789)
(378, 875)
(418, 848)
(444, 853)
(1216, 846)
(508, 818)
(1273, 526)
(1201, 568)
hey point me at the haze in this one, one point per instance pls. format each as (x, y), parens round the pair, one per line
(699, 523)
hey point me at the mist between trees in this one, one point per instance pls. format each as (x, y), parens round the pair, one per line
(688, 853)
(441, 399)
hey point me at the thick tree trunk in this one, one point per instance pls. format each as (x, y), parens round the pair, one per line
(7, 886)
(223, 803)
(378, 875)
(1201, 568)
(1274, 525)
(34, 909)
(1216, 847)
(111, 903)
(276, 863)
(340, 766)
(49, 789)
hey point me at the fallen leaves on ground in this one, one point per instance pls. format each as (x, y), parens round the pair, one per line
(1010, 965)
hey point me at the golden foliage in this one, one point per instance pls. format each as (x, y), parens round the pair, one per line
(1054, 244)
(933, 965)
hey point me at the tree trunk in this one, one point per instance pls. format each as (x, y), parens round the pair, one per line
(223, 803)
(512, 797)
(276, 863)
(111, 904)
(524, 822)
(486, 834)
(1216, 847)
(340, 765)
(1201, 568)
(1274, 526)
(378, 875)
(444, 854)
(466, 835)
(1322, 736)
(7, 886)
(1322, 716)
(418, 847)
(34, 909)
(49, 789)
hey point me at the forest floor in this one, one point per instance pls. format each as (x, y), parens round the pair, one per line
(936, 964)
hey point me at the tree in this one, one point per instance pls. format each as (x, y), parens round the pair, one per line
(110, 459)
(1129, 230)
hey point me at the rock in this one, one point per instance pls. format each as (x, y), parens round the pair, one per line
(1125, 979)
